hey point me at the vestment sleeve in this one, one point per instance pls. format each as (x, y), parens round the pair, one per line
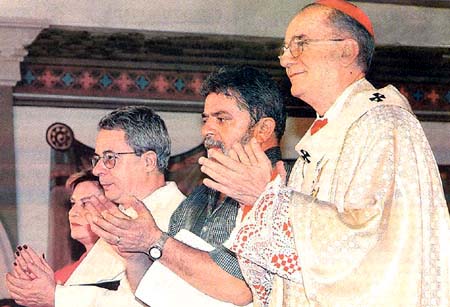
(265, 245)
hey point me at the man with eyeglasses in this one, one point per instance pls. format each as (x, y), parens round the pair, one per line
(363, 219)
(132, 151)
(243, 107)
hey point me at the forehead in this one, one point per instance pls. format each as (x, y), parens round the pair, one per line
(220, 103)
(113, 140)
(310, 23)
(85, 189)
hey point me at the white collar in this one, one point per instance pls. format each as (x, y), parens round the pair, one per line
(166, 191)
(336, 107)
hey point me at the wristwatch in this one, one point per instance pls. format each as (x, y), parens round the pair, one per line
(155, 251)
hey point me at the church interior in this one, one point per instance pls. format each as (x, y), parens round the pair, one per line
(64, 64)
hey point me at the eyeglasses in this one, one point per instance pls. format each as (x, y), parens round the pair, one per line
(109, 158)
(297, 44)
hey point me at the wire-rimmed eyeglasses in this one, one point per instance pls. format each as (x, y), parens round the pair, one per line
(108, 158)
(297, 45)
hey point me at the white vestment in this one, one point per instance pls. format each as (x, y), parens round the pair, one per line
(364, 214)
(103, 264)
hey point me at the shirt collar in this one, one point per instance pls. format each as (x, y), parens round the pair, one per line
(336, 107)
(161, 193)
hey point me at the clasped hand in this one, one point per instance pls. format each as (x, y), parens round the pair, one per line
(32, 281)
(129, 235)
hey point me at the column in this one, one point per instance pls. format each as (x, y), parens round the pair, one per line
(15, 35)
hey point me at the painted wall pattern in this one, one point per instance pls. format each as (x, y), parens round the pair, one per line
(173, 85)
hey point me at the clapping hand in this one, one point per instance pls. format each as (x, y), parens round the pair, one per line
(128, 235)
(32, 282)
(242, 175)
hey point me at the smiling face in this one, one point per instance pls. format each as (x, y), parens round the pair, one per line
(79, 226)
(127, 177)
(316, 69)
(225, 122)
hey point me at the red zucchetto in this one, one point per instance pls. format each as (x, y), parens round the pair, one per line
(350, 10)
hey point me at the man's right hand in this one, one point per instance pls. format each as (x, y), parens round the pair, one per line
(127, 234)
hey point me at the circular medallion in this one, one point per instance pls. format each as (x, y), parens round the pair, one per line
(60, 136)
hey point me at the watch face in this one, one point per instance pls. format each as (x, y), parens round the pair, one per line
(155, 252)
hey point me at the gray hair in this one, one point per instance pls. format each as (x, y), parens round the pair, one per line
(144, 131)
(344, 23)
(365, 41)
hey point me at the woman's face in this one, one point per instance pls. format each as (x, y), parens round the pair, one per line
(79, 226)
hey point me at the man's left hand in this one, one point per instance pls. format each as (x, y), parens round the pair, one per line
(243, 175)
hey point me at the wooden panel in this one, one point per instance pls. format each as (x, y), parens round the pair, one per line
(69, 67)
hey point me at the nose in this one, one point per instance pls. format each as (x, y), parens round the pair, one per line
(99, 168)
(208, 127)
(286, 59)
(74, 211)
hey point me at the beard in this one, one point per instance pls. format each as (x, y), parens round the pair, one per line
(209, 142)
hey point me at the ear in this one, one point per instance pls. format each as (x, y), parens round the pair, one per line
(150, 161)
(350, 52)
(264, 129)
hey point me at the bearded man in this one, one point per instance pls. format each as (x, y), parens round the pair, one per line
(243, 108)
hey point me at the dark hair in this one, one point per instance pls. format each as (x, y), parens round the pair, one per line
(365, 41)
(253, 89)
(80, 177)
(144, 131)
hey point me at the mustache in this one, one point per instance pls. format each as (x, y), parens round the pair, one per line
(209, 142)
